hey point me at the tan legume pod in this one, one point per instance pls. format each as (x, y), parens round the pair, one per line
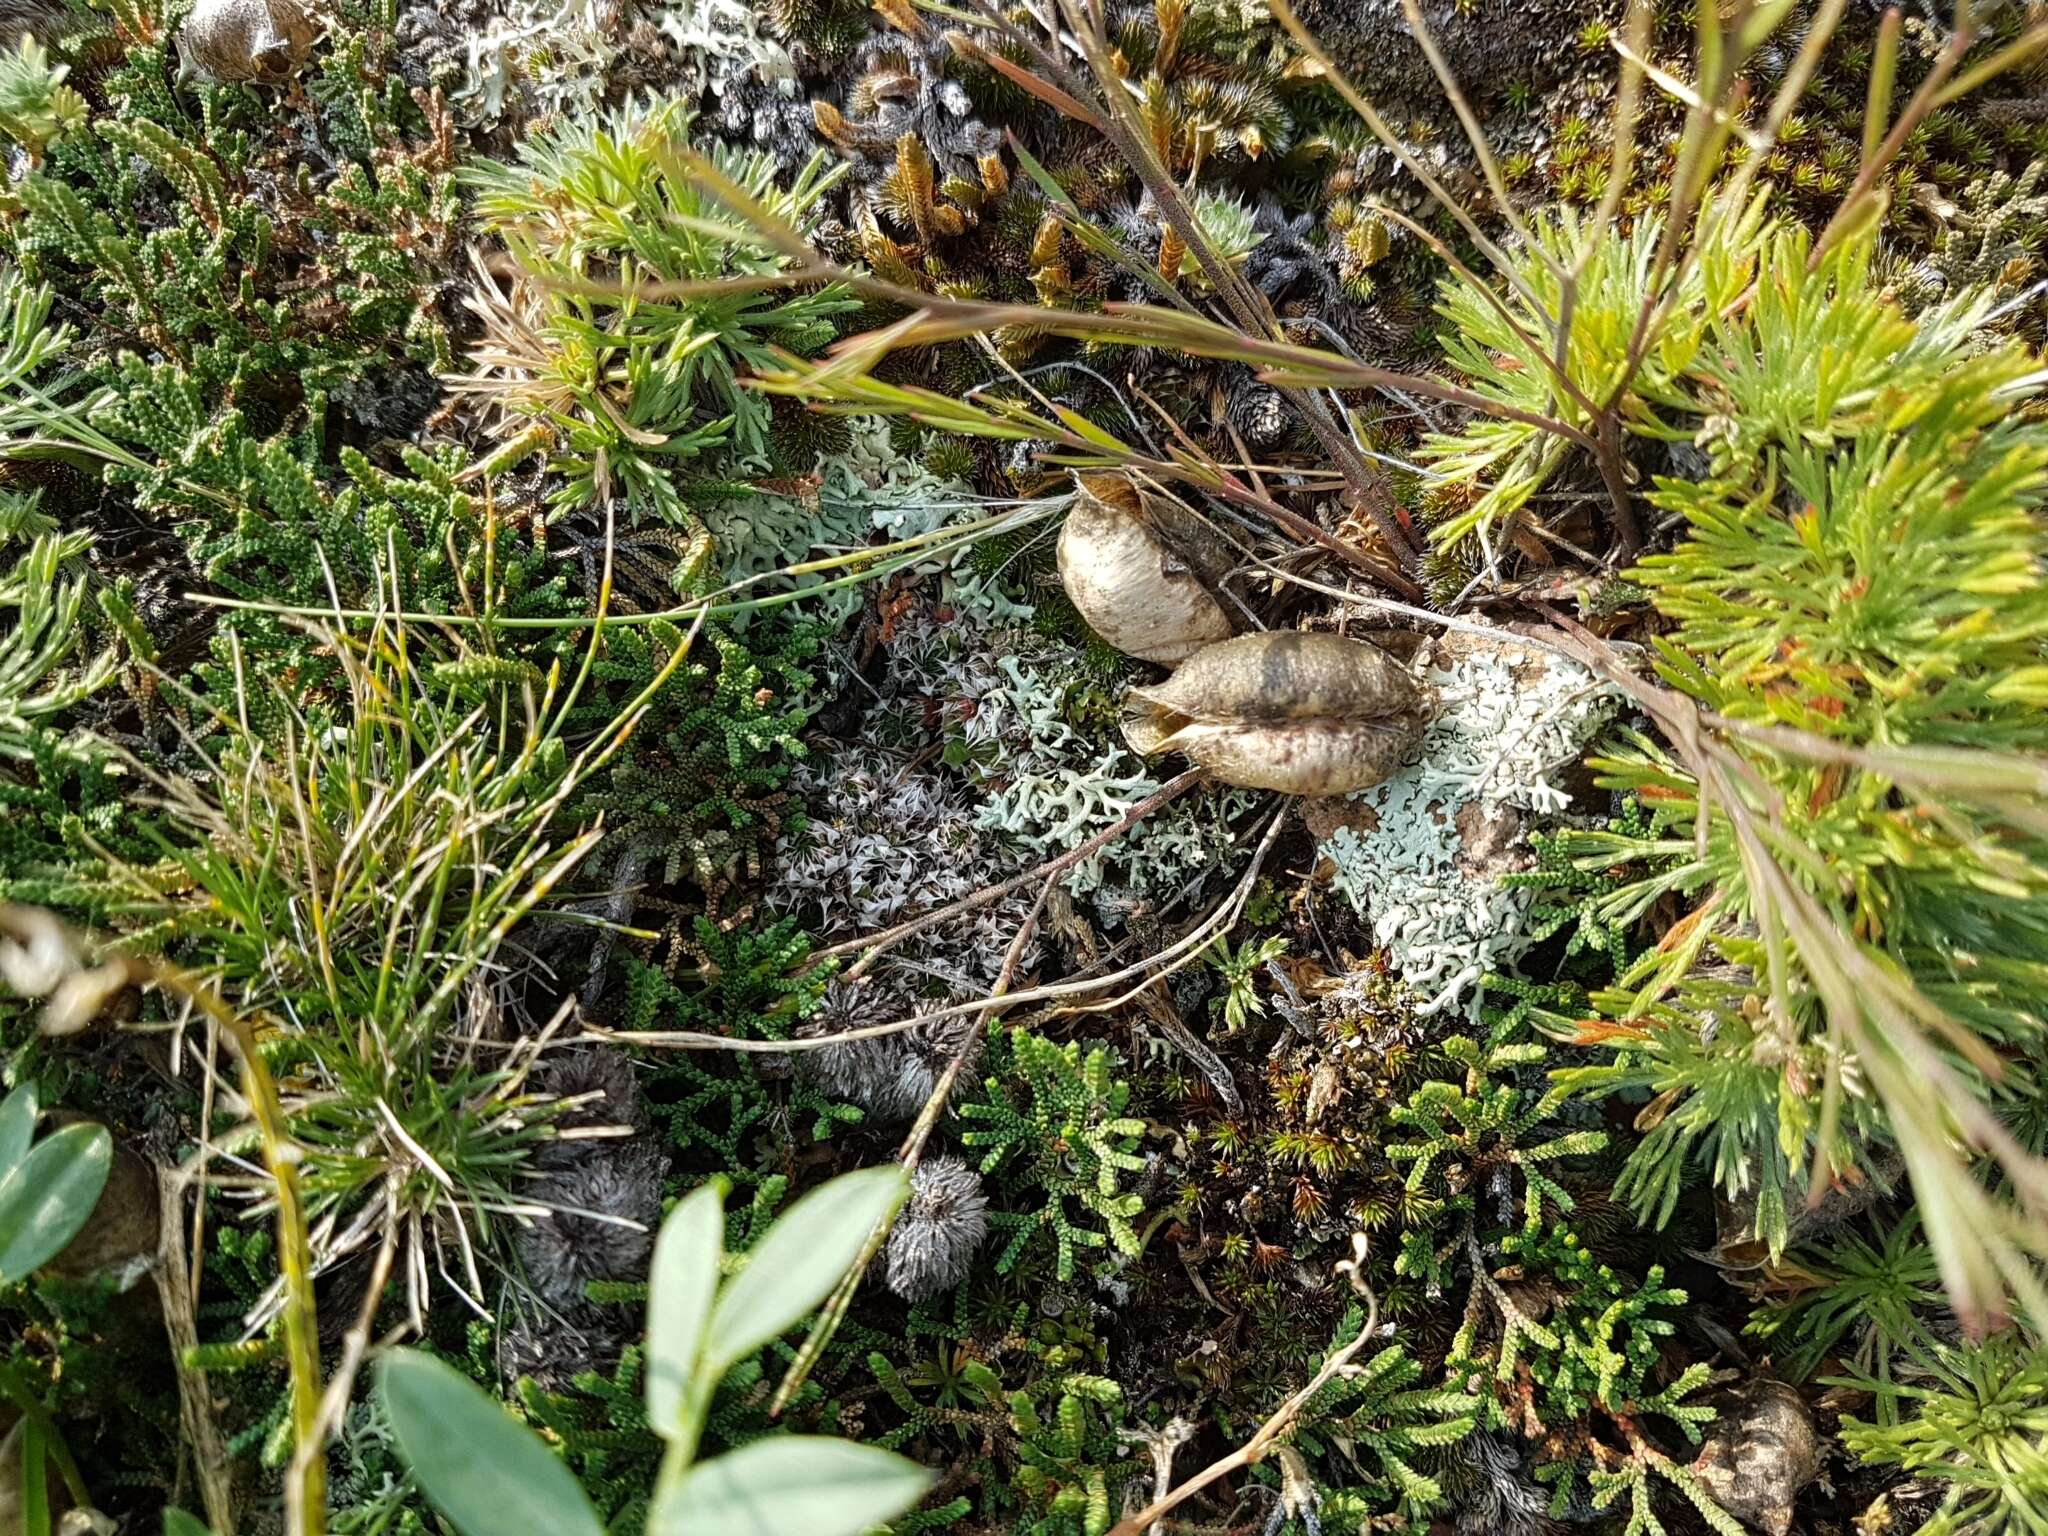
(255, 40)
(1131, 578)
(1305, 714)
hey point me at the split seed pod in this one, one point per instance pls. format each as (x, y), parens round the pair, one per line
(256, 40)
(1306, 714)
(1134, 565)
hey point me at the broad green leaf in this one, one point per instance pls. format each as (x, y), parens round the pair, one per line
(680, 1290)
(178, 1523)
(48, 1196)
(483, 1469)
(793, 1485)
(17, 1125)
(796, 1265)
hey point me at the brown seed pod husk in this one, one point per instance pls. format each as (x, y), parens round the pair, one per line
(1305, 714)
(1761, 1452)
(255, 40)
(1139, 569)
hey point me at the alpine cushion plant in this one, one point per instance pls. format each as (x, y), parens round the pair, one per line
(1858, 593)
(1976, 1427)
(630, 388)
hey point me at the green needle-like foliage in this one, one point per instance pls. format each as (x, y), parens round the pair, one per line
(1500, 344)
(1866, 1304)
(635, 385)
(1053, 1120)
(1858, 593)
(1978, 1427)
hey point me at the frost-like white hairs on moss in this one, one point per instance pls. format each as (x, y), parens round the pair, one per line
(1424, 850)
(932, 1247)
(1494, 1493)
(603, 1202)
(884, 842)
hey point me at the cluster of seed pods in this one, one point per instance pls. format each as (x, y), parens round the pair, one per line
(1298, 712)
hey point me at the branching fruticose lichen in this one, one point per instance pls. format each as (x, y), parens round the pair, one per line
(1421, 853)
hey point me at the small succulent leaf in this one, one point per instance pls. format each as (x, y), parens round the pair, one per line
(17, 1125)
(797, 1264)
(178, 1523)
(681, 1287)
(793, 1485)
(48, 1195)
(477, 1463)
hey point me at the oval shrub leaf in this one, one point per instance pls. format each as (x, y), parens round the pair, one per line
(681, 1287)
(793, 1485)
(48, 1196)
(17, 1125)
(484, 1470)
(796, 1265)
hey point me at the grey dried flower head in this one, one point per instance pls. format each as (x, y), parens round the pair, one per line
(1296, 275)
(604, 1202)
(555, 1348)
(940, 1230)
(596, 1071)
(889, 1076)
(43, 20)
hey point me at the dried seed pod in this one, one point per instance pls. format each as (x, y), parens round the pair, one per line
(1760, 1453)
(256, 40)
(889, 1076)
(1306, 714)
(1134, 566)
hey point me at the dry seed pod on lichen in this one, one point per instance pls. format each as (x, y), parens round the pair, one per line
(1133, 565)
(254, 40)
(1306, 714)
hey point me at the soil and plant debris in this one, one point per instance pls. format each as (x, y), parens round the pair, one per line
(1089, 769)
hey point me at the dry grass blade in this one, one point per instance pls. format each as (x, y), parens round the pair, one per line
(1025, 81)
(1268, 1434)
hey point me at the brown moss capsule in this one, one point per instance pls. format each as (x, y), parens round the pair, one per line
(1305, 714)
(1133, 565)
(255, 40)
